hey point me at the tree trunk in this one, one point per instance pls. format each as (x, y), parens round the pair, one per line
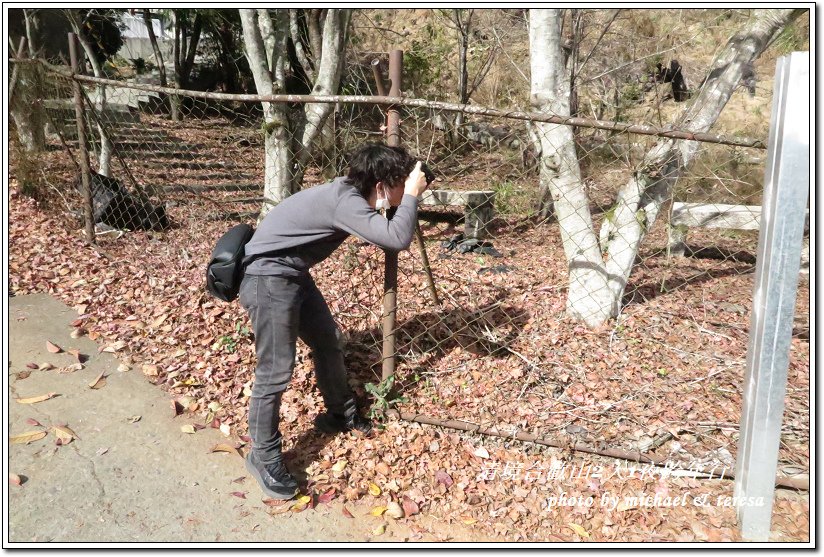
(640, 201)
(599, 273)
(32, 20)
(161, 64)
(104, 158)
(288, 137)
(26, 109)
(560, 174)
(463, 30)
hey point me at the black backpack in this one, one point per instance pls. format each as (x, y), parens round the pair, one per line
(225, 270)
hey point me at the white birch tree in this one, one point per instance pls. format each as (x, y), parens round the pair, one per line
(290, 134)
(599, 271)
(78, 21)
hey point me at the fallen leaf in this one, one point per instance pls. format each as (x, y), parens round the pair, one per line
(240, 494)
(578, 530)
(32, 421)
(393, 510)
(78, 356)
(377, 511)
(14, 479)
(443, 478)
(239, 480)
(123, 368)
(34, 399)
(481, 452)
(53, 348)
(347, 514)
(280, 509)
(32, 365)
(150, 370)
(77, 332)
(410, 507)
(23, 374)
(188, 428)
(101, 451)
(159, 321)
(99, 382)
(46, 366)
(224, 448)
(225, 430)
(379, 530)
(275, 502)
(468, 520)
(374, 489)
(64, 434)
(28, 437)
(119, 345)
(327, 496)
(134, 419)
(382, 468)
(70, 368)
(339, 466)
(177, 408)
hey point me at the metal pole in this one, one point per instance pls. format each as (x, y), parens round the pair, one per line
(376, 71)
(390, 272)
(786, 191)
(622, 127)
(85, 170)
(430, 281)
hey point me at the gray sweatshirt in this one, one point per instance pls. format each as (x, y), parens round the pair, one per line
(305, 228)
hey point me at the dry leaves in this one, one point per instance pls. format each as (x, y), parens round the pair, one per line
(14, 479)
(599, 374)
(224, 448)
(36, 399)
(28, 437)
(64, 434)
(53, 348)
(98, 382)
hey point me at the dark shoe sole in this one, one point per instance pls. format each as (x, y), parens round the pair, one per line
(282, 495)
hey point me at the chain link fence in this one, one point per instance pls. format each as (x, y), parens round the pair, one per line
(494, 349)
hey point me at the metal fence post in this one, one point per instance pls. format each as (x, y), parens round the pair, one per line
(390, 268)
(786, 191)
(85, 170)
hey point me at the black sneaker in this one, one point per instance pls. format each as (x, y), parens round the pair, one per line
(337, 423)
(274, 479)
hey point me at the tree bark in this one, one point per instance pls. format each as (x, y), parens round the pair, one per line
(26, 110)
(640, 201)
(560, 175)
(161, 66)
(599, 272)
(288, 137)
(32, 20)
(104, 158)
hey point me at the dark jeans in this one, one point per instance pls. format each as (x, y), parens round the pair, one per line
(283, 309)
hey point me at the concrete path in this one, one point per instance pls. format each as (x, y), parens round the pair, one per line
(135, 481)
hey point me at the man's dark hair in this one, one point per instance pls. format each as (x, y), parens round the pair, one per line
(375, 163)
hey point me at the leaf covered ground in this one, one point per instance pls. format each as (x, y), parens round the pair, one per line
(665, 379)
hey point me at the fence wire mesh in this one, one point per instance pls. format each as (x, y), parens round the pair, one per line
(498, 350)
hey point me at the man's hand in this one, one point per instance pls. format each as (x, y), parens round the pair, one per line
(416, 182)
